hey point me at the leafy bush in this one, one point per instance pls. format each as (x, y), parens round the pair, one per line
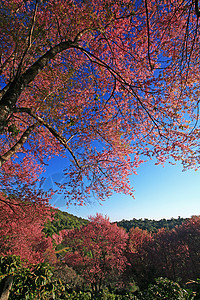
(165, 289)
(33, 282)
(68, 276)
(103, 295)
(194, 287)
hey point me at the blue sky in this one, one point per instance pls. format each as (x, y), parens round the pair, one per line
(160, 192)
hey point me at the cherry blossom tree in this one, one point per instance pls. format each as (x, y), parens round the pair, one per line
(170, 255)
(99, 82)
(176, 251)
(96, 251)
(138, 248)
(21, 225)
(173, 254)
(189, 235)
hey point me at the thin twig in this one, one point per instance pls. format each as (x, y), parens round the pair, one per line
(148, 35)
(29, 38)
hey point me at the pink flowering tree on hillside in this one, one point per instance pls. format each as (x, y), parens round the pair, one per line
(96, 251)
(21, 225)
(171, 253)
(138, 247)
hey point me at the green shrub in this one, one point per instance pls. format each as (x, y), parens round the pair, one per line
(194, 288)
(33, 282)
(165, 289)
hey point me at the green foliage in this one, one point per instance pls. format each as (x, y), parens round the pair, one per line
(103, 295)
(9, 265)
(63, 220)
(165, 289)
(78, 296)
(33, 282)
(38, 282)
(194, 288)
(150, 225)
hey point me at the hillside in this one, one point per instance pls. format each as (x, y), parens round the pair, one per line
(64, 220)
(150, 225)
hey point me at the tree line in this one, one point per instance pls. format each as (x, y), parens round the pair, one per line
(63, 220)
(151, 225)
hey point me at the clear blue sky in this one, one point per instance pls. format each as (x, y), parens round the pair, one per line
(160, 192)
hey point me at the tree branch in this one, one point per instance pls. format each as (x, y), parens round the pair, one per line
(123, 82)
(29, 39)
(57, 135)
(197, 8)
(9, 99)
(148, 35)
(6, 156)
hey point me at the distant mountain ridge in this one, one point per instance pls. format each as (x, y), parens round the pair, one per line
(151, 225)
(63, 220)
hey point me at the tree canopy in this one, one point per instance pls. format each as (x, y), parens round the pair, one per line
(103, 83)
(97, 251)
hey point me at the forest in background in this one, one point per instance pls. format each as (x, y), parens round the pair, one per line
(64, 220)
(151, 225)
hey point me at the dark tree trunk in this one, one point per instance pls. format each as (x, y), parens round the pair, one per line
(5, 287)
